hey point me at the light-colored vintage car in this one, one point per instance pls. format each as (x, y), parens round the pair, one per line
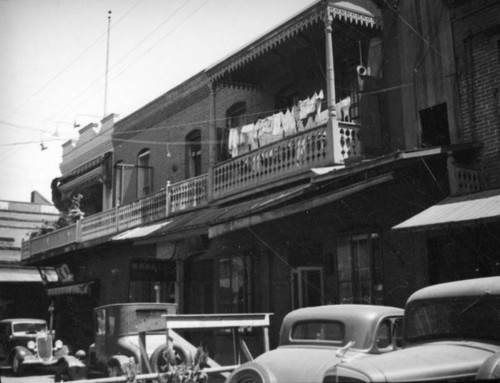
(28, 342)
(452, 333)
(313, 338)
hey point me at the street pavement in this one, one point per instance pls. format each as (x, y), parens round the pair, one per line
(31, 376)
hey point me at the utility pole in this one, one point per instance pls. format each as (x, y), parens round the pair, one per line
(107, 64)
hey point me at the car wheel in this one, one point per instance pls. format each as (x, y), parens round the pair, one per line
(159, 359)
(17, 365)
(247, 376)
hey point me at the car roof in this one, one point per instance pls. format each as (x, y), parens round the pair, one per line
(355, 316)
(464, 288)
(342, 312)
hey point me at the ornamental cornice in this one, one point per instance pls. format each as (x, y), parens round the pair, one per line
(353, 17)
(286, 31)
(269, 43)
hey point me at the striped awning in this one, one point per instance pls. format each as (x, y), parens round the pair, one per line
(466, 210)
(86, 178)
(73, 289)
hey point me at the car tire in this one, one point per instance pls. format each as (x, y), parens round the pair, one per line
(116, 366)
(17, 365)
(158, 362)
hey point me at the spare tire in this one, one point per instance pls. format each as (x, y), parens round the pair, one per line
(159, 358)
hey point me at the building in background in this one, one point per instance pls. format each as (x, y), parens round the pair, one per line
(22, 291)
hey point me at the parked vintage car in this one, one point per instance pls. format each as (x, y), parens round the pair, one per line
(313, 338)
(117, 336)
(28, 342)
(451, 333)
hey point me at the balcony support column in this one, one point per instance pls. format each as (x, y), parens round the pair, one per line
(330, 84)
(212, 138)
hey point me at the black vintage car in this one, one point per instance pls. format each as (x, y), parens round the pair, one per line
(28, 342)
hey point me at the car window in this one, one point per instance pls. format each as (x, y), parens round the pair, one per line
(474, 318)
(101, 322)
(384, 335)
(319, 330)
(29, 327)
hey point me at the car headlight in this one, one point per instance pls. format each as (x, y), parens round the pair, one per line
(31, 345)
(58, 344)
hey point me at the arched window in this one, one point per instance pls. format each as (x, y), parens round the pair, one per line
(235, 117)
(193, 154)
(144, 174)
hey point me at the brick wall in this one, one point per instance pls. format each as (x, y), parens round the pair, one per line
(477, 46)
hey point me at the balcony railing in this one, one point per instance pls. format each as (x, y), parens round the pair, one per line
(464, 179)
(57, 238)
(320, 146)
(187, 194)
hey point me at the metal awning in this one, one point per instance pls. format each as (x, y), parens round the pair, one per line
(252, 213)
(73, 289)
(466, 210)
(16, 274)
(140, 232)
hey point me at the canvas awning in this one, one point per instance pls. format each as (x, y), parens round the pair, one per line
(252, 213)
(16, 274)
(466, 210)
(139, 232)
(73, 289)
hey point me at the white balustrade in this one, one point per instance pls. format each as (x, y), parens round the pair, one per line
(188, 194)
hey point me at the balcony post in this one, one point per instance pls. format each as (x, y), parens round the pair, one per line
(332, 123)
(167, 204)
(212, 138)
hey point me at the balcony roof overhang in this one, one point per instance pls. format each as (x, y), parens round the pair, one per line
(366, 14)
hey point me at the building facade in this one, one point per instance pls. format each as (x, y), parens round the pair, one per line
(276, 178)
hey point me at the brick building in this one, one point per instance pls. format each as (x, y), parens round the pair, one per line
(273, 179)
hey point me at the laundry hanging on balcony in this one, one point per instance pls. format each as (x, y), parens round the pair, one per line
(305, 114)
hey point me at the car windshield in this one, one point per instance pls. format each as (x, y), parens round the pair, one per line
(319, 330)
(29, 327)
(469, 318)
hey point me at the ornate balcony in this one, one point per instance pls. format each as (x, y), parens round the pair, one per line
(322, 145)
(319, 146)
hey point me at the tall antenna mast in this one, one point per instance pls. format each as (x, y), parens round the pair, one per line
(107, 64)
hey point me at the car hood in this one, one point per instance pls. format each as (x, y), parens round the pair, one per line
(425, 362)
(300, 364)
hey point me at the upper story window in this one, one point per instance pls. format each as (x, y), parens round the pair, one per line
(434, 124)
(193, 154)
(234, 119)
(144, 174)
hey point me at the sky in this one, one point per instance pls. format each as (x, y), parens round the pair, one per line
(53, 67)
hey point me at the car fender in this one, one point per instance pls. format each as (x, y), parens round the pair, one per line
(21, 352)
(490, 369)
